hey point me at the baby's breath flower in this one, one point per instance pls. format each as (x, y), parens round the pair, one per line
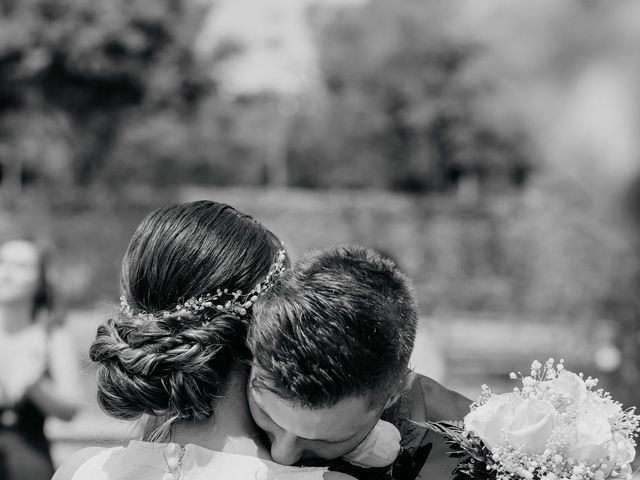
(221, 300)
(571, 399)
(591, 382)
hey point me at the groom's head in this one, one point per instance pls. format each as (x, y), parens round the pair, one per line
(331, 345)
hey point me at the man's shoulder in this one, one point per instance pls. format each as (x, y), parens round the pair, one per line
(425, 452)
(425, 400)
(440, 403)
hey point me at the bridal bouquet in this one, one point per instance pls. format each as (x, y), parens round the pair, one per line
(556, 426)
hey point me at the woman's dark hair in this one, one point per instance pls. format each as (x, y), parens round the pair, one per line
(45, 300)
(170, 363)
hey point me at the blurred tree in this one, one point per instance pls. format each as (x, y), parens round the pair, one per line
(218, 143)
(402, 109)
(91, 62)
(117, 85)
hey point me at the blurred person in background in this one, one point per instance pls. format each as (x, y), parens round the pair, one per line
(39, 370)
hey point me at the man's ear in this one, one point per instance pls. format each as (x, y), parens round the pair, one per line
(400, 387)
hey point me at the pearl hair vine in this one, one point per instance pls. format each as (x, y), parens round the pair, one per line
(222, 300)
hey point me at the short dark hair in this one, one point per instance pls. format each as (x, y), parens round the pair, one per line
(169, 362)
(341, 323)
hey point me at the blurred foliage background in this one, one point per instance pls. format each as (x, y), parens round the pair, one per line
(491, 148)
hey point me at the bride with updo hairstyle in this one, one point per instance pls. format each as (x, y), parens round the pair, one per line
(176, 352)
(39, 366)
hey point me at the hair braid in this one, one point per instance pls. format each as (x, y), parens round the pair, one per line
(153, 368)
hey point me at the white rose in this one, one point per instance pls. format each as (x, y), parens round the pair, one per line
(532, 425)
(621, 451)
(570, 385)
(526, 424)
(594, 433)
(490, 420)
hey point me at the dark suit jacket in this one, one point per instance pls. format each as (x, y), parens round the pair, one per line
(424, 452)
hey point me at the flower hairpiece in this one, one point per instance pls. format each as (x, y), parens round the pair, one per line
(236, 301)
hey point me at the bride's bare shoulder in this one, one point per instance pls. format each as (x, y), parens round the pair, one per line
(337, 476)
(75, 461)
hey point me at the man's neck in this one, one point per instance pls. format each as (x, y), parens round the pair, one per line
(230, 429)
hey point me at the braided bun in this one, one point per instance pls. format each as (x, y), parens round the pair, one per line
(170, 366)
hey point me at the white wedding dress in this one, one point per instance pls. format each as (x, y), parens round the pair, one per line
(169, 461)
